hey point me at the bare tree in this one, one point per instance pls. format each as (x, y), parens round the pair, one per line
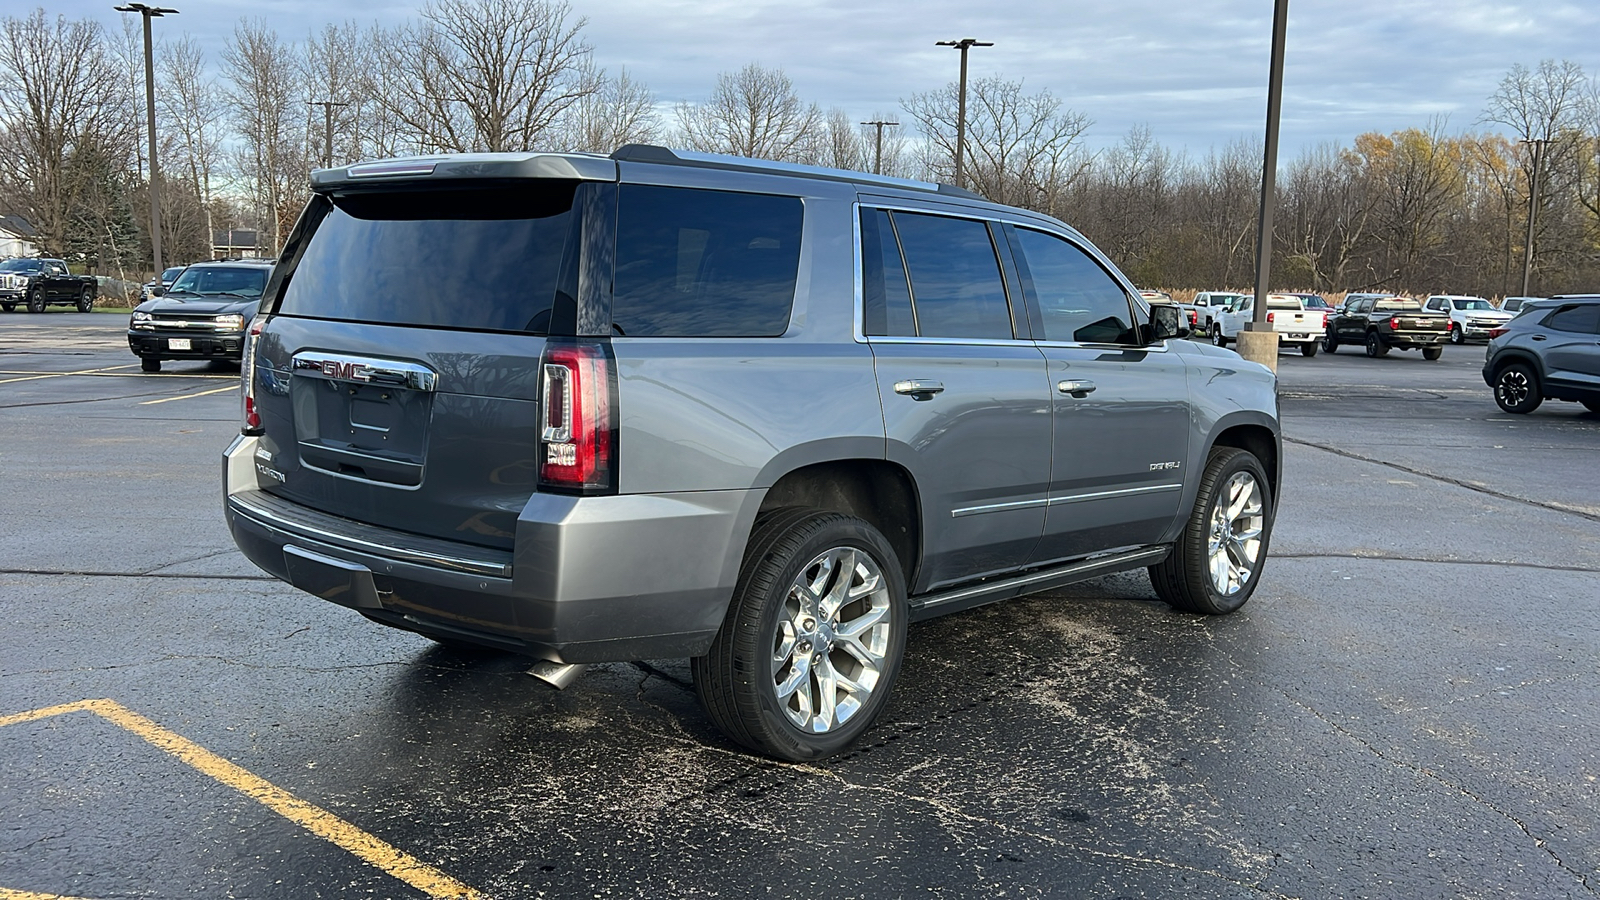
(1022, 149)
(335, 66)
(483, 75)
(267, 97)
(61, 100)
(614, 111)
(755, 113)
(193, 106)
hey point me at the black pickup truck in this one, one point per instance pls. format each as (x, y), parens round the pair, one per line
(1383, 323)
(37, 283)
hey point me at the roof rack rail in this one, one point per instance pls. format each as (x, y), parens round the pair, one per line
(651, 153)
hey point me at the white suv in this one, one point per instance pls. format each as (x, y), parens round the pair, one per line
(1471, 318)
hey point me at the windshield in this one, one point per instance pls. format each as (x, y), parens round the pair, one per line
(230, 281)
(1473, 304)
(171, 273)
(21, 265)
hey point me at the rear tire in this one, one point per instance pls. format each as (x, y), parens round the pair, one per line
(1375, 345)
(813, 639)
(1516, 389)
(1216, 563)
(1330, 342)
(1308, 349)
(1431, 353)
(148, 364)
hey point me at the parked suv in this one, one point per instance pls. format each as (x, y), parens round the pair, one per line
(202, 316)
(1550, 351)
(666, 404)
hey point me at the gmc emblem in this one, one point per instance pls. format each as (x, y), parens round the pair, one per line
(346, 371)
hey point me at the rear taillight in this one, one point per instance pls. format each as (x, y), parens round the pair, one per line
(1194, 317)
(1496, 332)
(247, 378)
(1394, 323)
(577, 412)
(1269, 317)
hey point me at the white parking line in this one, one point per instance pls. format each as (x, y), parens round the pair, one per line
(231, 387)
(33, 377)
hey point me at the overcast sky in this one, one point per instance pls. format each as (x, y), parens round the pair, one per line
(1194, 71)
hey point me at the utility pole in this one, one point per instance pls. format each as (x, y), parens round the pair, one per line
(961, 104)
(151, 12)
(1258, 341)
(1538, 145)
(327, 131)
(877, 154)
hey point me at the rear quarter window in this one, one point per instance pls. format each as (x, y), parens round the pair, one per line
(701, 263)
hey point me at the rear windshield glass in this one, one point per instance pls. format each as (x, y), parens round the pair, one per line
(698, 263)
(486, 259)
(1398, 306)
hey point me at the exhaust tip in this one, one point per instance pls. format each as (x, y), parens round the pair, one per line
(557, 675)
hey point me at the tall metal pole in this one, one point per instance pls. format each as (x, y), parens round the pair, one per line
(148, 13)
(1533, 208)
(877, 153)
(961, 102)
(1269, 168)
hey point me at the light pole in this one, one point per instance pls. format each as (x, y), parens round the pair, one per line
(1533, 208)
(961, 104)
(327, 132)
(877, 153)
(148, 13)
(1257, 341)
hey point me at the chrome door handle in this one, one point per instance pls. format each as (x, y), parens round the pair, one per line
(1079, 388)
(918, 388)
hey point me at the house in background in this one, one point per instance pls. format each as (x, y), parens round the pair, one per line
(234, 243)
(17, 237)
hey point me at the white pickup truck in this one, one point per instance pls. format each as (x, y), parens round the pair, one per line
(1204, 308)
(1286, 314)
(1471, 318)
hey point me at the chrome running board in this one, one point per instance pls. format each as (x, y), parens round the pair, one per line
(928, 606)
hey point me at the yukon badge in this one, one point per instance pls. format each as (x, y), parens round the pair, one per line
(1156, 467)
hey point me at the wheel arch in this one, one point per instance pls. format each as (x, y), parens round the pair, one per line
(1516, 355)
(1257, 434)
(877, 490)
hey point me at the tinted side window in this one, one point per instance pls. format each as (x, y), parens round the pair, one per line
(1581, 319)
(1079, 300)
(697, 263)
(885, 296)
(955, 277)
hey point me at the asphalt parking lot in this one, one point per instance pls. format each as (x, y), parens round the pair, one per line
(1405, 709)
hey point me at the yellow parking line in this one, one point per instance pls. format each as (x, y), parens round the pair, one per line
(314, 819)
(64, 374)
(231, 387)
(9, 894)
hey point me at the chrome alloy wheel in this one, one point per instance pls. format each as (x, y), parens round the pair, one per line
(1235, 544)
(832, 639)
(1512, 388)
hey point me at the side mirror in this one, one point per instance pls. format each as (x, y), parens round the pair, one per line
(1166, 321)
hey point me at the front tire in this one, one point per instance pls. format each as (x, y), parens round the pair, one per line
(813, 639)
(1217, 337)
(86, 300)
(1456, 335)
(1216, 563)
(1375, 346)
(36, 301)
(1516, 389)
(149, 364)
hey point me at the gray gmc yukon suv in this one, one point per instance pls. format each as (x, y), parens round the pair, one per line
(662, 404)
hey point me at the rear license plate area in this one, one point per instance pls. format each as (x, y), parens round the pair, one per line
(371, 432)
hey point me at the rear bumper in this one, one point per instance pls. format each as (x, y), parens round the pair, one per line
(1412, 339)
(591, 579)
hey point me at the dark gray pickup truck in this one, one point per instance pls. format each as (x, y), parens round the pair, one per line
(763, 416)
(37, 283)
(1383, 323)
